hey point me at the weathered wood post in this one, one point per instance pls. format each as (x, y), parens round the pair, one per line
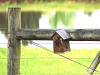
(94, 64)
(13, 58)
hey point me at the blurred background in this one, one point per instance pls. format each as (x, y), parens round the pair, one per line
(52, 14)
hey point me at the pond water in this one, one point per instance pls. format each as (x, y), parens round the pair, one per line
(54, 20)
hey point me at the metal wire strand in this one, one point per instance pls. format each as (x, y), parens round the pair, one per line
(58, 73)
(51, 43)
(36, 44)
(62, 56)
(51, 73)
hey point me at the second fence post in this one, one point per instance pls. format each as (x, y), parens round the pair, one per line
(13, 58)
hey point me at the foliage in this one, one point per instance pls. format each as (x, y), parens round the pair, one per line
(65, 17)
(49, 6)
(36, 60)
(32, 1)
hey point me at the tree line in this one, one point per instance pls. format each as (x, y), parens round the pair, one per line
(32, 1)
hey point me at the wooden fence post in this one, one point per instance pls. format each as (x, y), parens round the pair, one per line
(13, 58)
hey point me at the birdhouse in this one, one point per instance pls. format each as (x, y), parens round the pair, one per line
(61, 41)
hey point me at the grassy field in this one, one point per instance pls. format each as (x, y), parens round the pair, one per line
(36, 61)
(58, 6)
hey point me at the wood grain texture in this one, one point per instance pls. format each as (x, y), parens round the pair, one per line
(46, 34)
(62, 45)
(94, 64)
(13, 58)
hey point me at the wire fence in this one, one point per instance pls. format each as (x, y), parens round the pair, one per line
(31, 63)
(46, 58)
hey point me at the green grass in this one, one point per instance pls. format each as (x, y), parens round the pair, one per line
(36, 60)
(58, 6)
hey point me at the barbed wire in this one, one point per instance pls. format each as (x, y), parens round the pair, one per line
(52, 43)
(36, 44)
(57, 73)
(52, 58)
(62, 56)
(54, 73)
(55, 58)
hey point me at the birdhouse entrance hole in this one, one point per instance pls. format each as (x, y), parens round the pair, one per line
(60, 41)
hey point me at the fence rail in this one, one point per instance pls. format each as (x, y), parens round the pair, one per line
(46, 34)
(15, 34)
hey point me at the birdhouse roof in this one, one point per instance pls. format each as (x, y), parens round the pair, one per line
(63, 34)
